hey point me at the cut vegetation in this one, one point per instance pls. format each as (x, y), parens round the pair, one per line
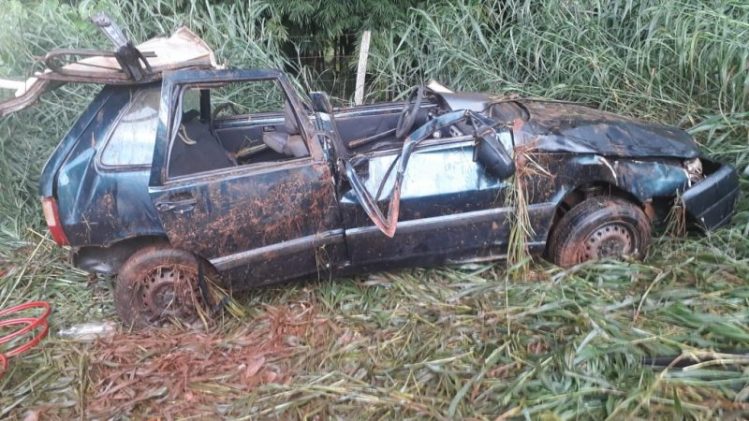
(601, 340)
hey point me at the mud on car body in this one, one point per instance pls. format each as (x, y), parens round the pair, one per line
(234, 174)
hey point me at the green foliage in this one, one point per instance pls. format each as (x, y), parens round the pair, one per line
(669, 58)
(321, 37)
(331, 19)
(449, 342)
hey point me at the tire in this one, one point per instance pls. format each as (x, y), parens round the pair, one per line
(597, 228)
(158, 284)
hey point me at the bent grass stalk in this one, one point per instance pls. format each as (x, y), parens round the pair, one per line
(448, 342)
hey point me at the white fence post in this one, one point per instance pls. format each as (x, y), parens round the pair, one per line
(361, 69)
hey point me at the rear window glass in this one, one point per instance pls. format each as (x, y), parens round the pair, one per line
(132, 140)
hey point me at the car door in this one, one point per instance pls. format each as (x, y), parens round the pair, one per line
(451, 207)
(256, 223)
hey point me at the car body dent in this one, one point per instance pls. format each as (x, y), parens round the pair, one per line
(644, 180)
(433, 170)
(92, 112)
(444, 188)
(236, 215)
(319, 214)
(557, 126)
(648, 179)
(387, 223)
(99, 207)
(577, 129)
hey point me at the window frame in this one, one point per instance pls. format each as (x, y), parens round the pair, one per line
(176, 119)
(109, 135)
(239, 117)
(171, 82)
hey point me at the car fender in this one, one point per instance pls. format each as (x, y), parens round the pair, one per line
(643, 180)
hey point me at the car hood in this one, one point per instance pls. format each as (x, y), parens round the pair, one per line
(567, 127)
(574, 128)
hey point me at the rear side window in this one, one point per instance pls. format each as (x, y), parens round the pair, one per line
(132, 140)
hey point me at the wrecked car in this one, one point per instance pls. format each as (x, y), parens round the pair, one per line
(172, 174)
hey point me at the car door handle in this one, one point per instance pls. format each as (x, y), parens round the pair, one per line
(179, 206)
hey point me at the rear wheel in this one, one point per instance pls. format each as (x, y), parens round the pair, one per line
(598, 228)
(158, 284)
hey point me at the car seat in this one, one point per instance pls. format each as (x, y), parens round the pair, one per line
(288, 142)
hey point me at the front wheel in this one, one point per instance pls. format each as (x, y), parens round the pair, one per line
(599, 228)
(158, 284)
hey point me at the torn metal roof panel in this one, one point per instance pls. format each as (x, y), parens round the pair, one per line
(128, 64)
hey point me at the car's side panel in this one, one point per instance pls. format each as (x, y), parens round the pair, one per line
(256, 225)
(453, 238)
(91, 116)
(259, 223)
(101, 206)
(442, 208)
(438, 225)
(550, 176)
(111, 207)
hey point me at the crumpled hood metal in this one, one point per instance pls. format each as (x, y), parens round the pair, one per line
(568, 127)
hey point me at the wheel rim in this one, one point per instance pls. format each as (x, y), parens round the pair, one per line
(610, 240)
(170, 291)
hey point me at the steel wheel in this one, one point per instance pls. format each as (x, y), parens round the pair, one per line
(171, 291)
(156, 285)
(599, 228)
(611, 240)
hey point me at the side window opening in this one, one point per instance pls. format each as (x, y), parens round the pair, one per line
(241, 123)
(131, 143)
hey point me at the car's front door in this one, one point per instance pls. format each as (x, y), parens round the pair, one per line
(268, 218)
(452, 208)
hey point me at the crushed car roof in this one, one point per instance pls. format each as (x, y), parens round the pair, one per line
(127, 64)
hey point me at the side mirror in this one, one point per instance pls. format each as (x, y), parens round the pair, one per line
(321, 102)
(493, 156)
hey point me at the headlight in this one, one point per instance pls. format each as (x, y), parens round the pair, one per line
(694, 170)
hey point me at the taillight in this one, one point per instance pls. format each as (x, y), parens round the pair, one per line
(51, 215)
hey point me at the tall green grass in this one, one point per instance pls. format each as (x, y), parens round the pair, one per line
(447, 342)
(678, 61)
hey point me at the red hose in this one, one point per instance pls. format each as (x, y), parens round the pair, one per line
(38, 323)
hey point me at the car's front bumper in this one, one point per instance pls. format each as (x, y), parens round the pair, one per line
(712, 201)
